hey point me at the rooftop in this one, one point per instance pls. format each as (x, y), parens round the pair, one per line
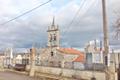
(80, 58)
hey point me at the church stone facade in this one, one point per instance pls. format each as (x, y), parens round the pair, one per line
(54, 55)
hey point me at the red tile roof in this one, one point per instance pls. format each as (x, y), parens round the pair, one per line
(80, 58)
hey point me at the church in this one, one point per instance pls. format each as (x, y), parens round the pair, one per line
(54, 55)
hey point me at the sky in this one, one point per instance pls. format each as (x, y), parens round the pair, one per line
(31, 28)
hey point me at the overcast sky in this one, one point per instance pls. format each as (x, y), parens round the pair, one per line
(31, 28)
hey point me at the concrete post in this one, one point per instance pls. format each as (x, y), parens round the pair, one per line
(32, 65)
(62, 67)
(110, 71)
(63, 64)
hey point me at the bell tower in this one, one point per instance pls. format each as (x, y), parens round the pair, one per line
(53, 35)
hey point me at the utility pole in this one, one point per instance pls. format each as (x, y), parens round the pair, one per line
(105, 32)
(106, 41)
(109, 70)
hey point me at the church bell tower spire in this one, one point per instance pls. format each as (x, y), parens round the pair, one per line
(53, 35)
(53, 22)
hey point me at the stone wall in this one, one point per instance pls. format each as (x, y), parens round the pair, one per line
(69, 72)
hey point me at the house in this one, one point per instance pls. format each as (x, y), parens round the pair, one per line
(115, 58)
(72, 57)
(94, 53)
(2, 57)
(8, 53)
(94, 56)
(21, 58)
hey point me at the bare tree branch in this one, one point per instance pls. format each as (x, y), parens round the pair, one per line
(117, 29)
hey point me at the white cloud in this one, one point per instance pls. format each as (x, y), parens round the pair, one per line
(32, 27)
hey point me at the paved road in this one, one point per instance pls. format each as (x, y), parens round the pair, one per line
(15, 76)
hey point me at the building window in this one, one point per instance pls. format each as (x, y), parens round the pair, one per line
(50, 38)
(52, 53)
(106, 60)
(54, 37)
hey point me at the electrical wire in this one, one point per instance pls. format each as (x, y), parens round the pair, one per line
(25, 13)
(87, 9)
(76, 14)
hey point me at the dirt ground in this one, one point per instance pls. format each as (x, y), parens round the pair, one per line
(15, 76)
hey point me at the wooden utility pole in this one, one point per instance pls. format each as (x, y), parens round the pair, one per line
(32, 64)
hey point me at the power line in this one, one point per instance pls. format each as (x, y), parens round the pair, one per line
(69, 25)
(71, 22)
(26, 12)
(77, 13)
(87, 8)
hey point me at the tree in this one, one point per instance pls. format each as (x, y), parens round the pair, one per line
(117, 29)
